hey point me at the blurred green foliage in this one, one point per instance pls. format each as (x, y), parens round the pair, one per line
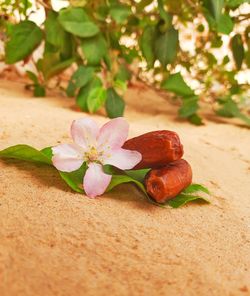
(91, 34)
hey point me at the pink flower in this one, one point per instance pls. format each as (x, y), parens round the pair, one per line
(97, 147)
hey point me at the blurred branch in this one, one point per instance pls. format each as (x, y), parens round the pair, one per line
(244, 17)
(46, 4)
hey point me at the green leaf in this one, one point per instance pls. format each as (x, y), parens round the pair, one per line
(53, 30)
(214, 7)
(94, 49)
(120, 13)
(120, 85)
(114, 104)
(175, 83)
(189, 106)
(82, 96)
(91, 97)
(138, 175)
(25, 152)
(237, 50)
(71, 89)
(225, 24)
(24, 38)
(57, 38)
(57, 68)
(39, 90)
(146, 44)
(47, 151)
(230, 108)
(163, 14)
(96, 99)
(75, 21)
(82, 76)
(123, 73)
(32, 76)
(166, 45)
(195, 119)
(182, 199)
(121, 179)
(195, 188)
(235, 3)
(75, 179)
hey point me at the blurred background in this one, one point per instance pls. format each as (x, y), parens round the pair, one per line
(194, 53)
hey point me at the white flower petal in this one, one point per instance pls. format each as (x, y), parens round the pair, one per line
(95, 181)
(123, 159)
(84, 132)
(113, 134)
(67, 157)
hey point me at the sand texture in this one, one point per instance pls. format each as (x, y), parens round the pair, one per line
(57, 242)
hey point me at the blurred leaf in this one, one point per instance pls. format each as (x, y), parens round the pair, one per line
(235, 3)
(225, 24)
(238, 50)
(50, 68)
(71, 89)
(39, 90)
(211, 59)
(24, 38)
(248, 58)
(230, 109)
(114, 104)
(217, 42)
(32, 76)
(123, 73)
(96, 99)
(120, 85)
(166, 46)
(102, 12)
(82, 76)
(176, 84)
(235, 89)
(76, 21)
(53, 30)
(57, 37)
(200, 28)
(214, 7)
(120, 13)
(189, 106)
(146, 44)
(81, 99)
(91, 96)
(94, 49)
(164, 14)
(195, 119)
(226, 60)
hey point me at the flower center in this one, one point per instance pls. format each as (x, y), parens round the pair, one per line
(92, 155)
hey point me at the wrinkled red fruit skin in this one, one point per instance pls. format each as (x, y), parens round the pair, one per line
(157, 148)
(167, 182)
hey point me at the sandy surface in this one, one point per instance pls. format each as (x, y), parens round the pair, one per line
(57, 242)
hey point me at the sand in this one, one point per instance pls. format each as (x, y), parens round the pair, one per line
(57, 242)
